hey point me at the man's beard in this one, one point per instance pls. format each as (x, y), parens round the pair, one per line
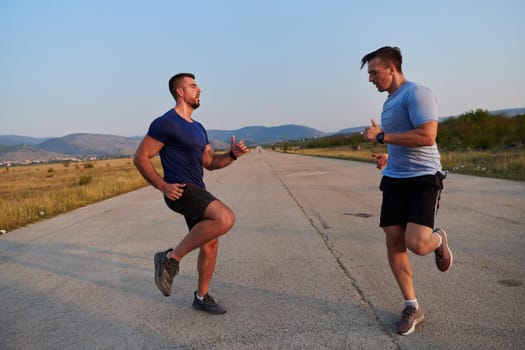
(195, 104)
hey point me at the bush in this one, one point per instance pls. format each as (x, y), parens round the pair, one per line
(84, 180)
(480, 130)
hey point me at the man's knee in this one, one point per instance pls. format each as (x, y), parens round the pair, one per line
(227, 219)
(222, 216)
(416, 245)
(395, 238)
(418, 238)
(210, 247)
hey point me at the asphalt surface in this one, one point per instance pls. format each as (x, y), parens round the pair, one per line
(304, 267)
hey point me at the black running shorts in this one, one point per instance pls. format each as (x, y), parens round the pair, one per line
(192, 204)
(414, 200)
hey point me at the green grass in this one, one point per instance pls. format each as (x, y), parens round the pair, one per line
(498, 164)
(507, 164)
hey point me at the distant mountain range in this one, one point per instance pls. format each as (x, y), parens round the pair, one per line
(16, 149)
(511, 112)
(260, 135)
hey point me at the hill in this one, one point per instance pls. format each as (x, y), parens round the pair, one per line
(91, 145)
(509, 112)
(260, 135)
(476, 130)
(15, 140)
(351, 130)
(84, 145)
(482, 130)
(21, 148)
(28, 154)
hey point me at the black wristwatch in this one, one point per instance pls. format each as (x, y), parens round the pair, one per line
(232, 156)
(381, 137)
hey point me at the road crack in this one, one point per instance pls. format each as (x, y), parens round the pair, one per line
(338, 257)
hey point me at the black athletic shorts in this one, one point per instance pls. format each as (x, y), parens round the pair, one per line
(414, 200)
(192, 204)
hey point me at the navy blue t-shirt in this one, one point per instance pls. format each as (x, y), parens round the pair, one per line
(184, 144)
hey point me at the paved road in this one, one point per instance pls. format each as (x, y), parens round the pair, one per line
(303, 268)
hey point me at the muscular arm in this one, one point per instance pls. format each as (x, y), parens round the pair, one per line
(212, 161)
(149, 148)
(423, 135)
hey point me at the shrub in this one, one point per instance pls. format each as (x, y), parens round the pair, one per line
(84, 180)
(479, 130)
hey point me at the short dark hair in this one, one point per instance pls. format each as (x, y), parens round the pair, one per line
(387, 55)
(175, 80)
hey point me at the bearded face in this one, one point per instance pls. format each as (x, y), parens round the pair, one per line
(195, 103)
(191, 93)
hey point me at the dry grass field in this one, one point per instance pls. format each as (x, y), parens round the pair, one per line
(498, 164)
(34, 192)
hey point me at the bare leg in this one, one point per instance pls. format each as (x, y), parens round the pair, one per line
(206, 265)
(218, 219)
(399, 260)
(420, 239)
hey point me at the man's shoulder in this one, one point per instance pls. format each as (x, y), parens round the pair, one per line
(413, 91)
(167, 118)
(199, 125)
(167, 115)
(415, 87)
(161, 127)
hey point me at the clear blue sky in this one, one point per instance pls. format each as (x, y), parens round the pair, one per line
(103, 66)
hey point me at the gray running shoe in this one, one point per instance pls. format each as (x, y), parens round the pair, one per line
(443, 254)
(208, 304)
(409, 319)
(165, 270)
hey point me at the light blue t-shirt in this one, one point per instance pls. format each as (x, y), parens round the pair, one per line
(409, 107)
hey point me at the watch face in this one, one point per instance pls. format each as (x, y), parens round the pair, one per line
(380, 137)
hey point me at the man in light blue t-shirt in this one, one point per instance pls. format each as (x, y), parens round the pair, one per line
(412, 175)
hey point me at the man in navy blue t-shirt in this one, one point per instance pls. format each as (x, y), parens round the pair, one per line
(184, 149)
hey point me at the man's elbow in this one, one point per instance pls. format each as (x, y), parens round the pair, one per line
(209, 167)
(136, 160)
(428, 141)
(426, 138)
(427, 134)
